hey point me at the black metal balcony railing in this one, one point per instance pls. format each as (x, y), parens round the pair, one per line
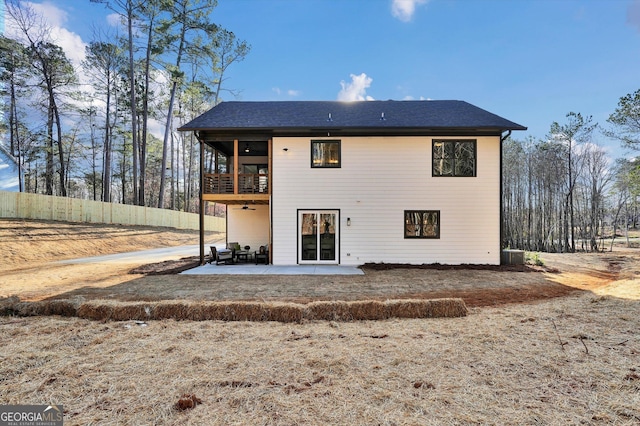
(248, 183)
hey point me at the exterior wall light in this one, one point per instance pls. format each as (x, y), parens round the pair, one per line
(348, 221)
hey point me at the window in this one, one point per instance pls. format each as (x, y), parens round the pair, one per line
(254, 178)
(325, 154)
(422, 223)
(454, 158)
(262, 169)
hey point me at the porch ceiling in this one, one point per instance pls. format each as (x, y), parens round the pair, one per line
(241, 199)
(259, 148)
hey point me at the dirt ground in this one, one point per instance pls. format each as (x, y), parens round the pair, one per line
(553, 360)
(31, 249)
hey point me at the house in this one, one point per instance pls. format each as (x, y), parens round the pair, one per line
(357, 182)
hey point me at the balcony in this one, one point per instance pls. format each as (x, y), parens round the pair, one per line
(221, 187)
(237, 171)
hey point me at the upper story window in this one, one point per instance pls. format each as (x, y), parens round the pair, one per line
(454, 157)
(325, 153)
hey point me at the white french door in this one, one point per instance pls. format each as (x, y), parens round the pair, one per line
(318, 236)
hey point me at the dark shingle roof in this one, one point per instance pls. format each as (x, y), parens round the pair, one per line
(317, 115)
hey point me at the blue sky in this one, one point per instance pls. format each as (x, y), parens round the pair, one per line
(529, 61)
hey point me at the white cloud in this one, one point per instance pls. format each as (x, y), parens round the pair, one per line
(356, 90)
(404, 9)
(633, 14)
(114, 20)
(53, 15)
(55, 18)
(71, 43)
(290, 92)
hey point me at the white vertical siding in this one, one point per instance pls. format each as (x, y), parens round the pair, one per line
(381, 177)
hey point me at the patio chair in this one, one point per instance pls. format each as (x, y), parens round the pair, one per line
(225, 256)
(235, 248)
(262, 254)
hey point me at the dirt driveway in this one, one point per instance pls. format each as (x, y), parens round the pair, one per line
(29, 273)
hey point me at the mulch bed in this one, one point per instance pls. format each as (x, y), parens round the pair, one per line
(171, 267)
(440, 267)
(168, 267)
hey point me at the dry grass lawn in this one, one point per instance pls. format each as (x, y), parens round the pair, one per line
(30, 250)
(566, 360)
(574, 360)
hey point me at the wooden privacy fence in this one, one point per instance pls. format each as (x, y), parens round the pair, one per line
(45, 207)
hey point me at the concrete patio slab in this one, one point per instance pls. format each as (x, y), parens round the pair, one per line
(250, 269)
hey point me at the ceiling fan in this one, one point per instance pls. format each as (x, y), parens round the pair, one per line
(245, 207)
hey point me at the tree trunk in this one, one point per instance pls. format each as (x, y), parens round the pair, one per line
(571, 185)
(106, 168)
(56, 114)
(145, 118)
(169, 125)
(48, 178)
(14, 133)
(132, 99)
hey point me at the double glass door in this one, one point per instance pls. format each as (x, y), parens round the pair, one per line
(318, 236)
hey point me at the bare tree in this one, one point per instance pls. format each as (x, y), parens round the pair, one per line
(13, 66)
(150, 12)
(187, 16)
(626, 193)
(103, 63)
(577, 129)
(54, 74)
(592, 184)
(128, 10)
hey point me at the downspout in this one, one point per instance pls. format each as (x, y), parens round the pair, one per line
(201, 197)
(270, 186)
(502, 139)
